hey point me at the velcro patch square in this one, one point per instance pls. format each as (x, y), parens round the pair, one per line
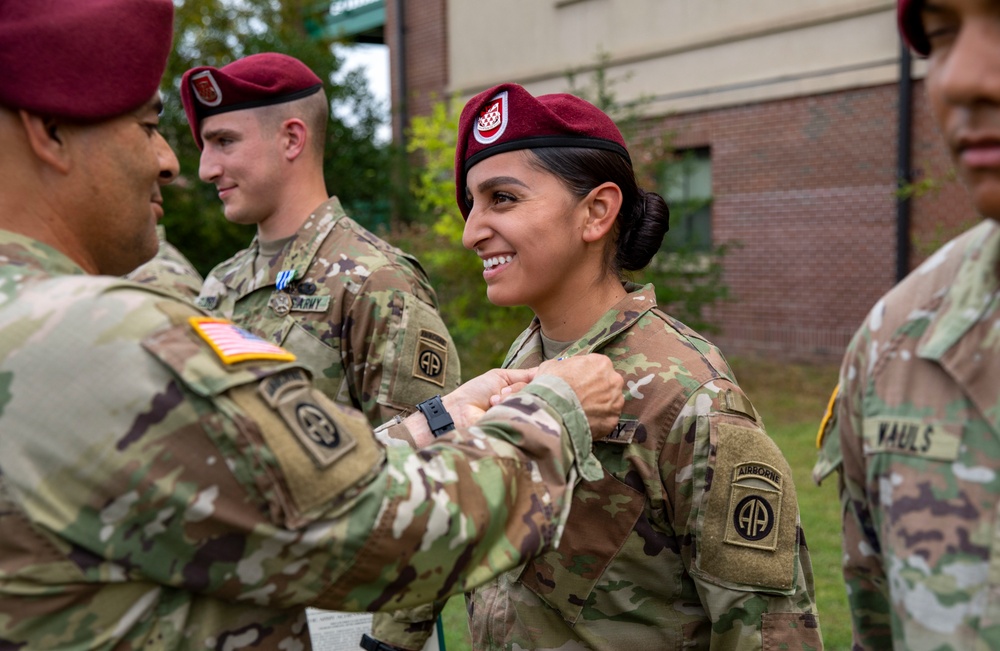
(431, 359)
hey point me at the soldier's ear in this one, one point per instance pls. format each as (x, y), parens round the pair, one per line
(46, 139)
(294, 135)
(603, 204)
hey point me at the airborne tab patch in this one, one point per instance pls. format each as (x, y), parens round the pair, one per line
(431, 359)
(234, 344)
(754, 506)
(275, 386)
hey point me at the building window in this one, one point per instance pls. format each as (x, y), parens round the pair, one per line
(687, 187)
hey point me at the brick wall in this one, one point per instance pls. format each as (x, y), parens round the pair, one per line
(806, 188)
(944, 209)
(426, 44)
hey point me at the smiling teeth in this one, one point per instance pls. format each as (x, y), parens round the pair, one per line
(489, 263)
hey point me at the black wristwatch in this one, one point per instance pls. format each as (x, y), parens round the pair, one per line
(371, 644)
(437, 416)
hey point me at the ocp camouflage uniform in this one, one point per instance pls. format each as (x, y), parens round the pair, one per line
(163, 495)
(691, 538)
(359, 313)
(169, 270)
(916, 438)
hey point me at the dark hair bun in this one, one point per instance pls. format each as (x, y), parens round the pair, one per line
(644, 216)
(642, 235)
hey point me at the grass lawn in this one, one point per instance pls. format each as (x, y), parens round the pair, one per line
(791, 399)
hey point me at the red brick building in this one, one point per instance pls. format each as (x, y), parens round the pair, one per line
(807, 187)
(796, 108)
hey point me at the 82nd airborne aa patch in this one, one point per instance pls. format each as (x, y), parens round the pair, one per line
(430, 362)
(754, 506)
(302, 410)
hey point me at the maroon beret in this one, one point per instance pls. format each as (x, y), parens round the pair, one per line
(256, 80)
(507, 117)
(83, 59)
(911, 27)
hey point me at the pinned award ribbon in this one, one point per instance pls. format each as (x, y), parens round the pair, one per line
(280, 301)
(285, 277)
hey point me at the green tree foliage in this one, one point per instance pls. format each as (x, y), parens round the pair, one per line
(216, 32)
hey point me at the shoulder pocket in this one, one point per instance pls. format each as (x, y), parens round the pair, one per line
(302, 451)
(420, 358)
(748, 528)
(200, 366)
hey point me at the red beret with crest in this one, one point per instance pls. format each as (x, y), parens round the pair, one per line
(253, 81)
(507, 118)
(87, 60)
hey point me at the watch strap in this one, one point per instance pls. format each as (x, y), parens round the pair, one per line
(438, 418)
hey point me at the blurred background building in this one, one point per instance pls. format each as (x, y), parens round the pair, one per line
(800, 119)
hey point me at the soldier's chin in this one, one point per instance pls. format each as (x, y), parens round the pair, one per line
(986, 197)
(500, 298)
(145, 252)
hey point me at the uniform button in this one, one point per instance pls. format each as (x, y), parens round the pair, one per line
(307, 288)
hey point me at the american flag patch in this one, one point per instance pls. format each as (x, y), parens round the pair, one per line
(234, 344)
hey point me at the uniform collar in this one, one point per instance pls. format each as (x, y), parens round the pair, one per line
(970, 297)
(639, 300)
(297, 254)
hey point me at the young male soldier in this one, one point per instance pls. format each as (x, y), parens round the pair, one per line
(167, 481)
(915, 431)
(359, 312)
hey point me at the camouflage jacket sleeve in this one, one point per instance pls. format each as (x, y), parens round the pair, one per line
(396, 349)
(737, 500)
(828, 456)
(863, 570)
(226, 494)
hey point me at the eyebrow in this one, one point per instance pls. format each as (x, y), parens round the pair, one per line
(212, 134)
(493, 182)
